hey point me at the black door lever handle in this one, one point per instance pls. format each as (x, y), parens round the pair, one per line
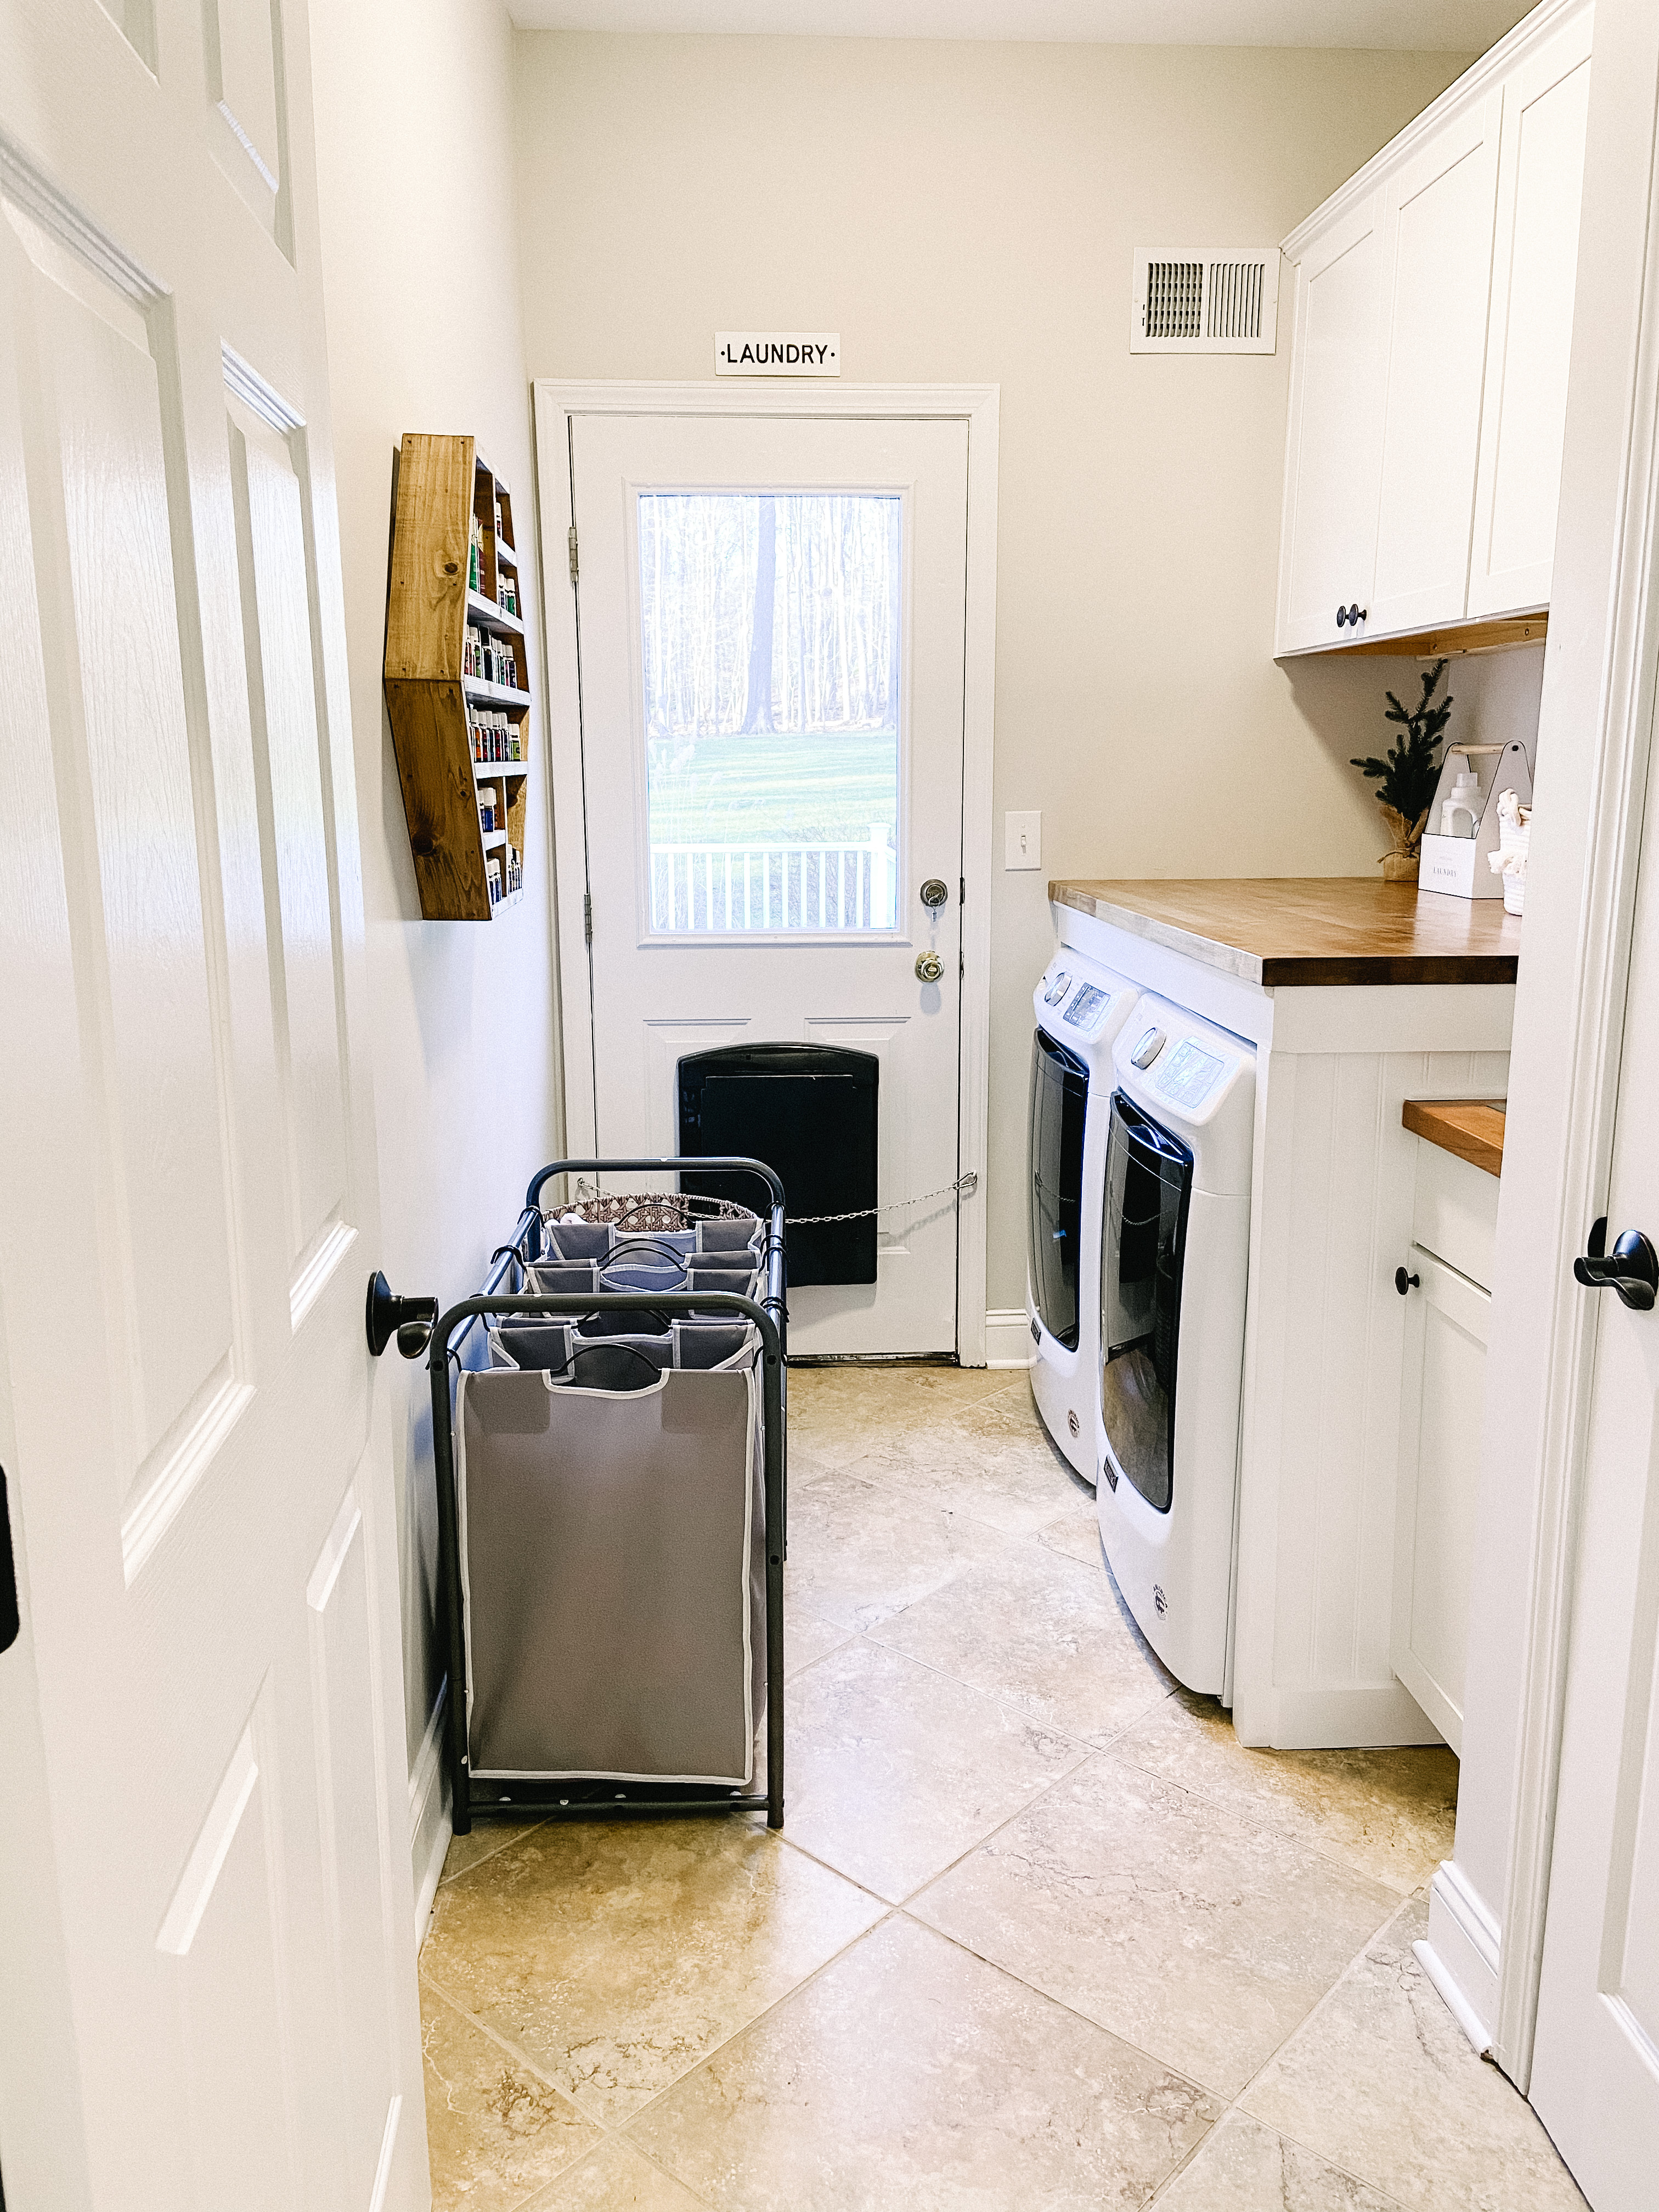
(1631, 1268)
(409, 1319)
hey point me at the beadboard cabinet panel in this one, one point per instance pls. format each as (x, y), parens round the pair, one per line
(1332, 473)
(1438, 249)
(1541, 178)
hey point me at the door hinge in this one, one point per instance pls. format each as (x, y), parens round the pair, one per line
(573, 553)
(961, 891)
(587, 916)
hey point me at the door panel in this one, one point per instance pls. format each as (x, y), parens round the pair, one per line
(288, 771)
(1439, 248)
(1329, 548)
(1534, 274)
(772, 645)
(104, 537)
(1442, 1396)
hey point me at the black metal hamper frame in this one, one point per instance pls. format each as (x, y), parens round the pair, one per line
(606, 1800)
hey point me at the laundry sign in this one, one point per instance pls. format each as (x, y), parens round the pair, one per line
(777, 353)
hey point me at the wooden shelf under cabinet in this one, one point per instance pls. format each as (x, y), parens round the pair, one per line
(442, 485)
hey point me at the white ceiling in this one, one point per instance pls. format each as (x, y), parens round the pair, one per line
(1425, 26)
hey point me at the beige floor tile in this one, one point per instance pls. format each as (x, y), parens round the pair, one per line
(808, 1637)
(975, 2093)
(859, 1553)
(1387, 1814)
(855, 1401)
(894, 1770)
(1044, 1628)
(616, 1955)
(486, 1839)
(616, 2179)
(1245, 2167)
(494, 2132)
(1383, 2081)
(1200, 1937)
(1010, 1478)
(1077, 1535)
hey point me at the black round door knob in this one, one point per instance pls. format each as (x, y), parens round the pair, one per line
(1403, 1282)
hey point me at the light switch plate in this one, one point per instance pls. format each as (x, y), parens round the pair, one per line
(1025, 841)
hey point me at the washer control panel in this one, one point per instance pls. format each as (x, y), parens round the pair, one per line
(1148, 1050)
(1089, 1002)
(1056, 988)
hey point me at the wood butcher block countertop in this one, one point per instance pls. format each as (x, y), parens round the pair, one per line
(1282, 930)
(1472, 1128)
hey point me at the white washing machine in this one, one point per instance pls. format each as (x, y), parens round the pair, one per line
(1080, 1007)
(1175, 1257)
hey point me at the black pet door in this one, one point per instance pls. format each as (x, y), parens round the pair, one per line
(809, 1111)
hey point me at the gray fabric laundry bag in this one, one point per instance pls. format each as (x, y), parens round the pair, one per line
(612, 1553)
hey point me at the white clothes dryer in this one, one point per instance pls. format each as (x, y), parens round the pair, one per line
(1080, 1006)
(1175, 1259)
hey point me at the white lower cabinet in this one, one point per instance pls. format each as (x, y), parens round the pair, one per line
(1441, 1398)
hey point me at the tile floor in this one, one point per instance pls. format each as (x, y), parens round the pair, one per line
(1038, 1932)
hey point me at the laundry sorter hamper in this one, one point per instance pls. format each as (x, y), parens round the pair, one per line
(610, 1504)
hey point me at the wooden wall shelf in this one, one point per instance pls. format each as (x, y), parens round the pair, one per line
(1451, 641)
(439, 611)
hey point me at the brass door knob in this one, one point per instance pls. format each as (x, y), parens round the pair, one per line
(929, 967)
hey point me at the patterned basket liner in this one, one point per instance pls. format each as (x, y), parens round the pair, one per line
(645, 1211)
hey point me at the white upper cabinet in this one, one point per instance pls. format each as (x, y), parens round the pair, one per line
(1433, 304)
(1329, 544)
(1546, 106)
(1437, 233)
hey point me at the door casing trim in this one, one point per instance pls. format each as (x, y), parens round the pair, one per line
(557, 402)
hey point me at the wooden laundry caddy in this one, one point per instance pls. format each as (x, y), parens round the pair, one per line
(435, 706)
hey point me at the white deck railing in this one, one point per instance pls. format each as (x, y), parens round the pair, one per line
(714, 889)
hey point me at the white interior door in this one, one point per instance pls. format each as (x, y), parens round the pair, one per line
(205, 1912)
(1595, 2063)
(772, 636)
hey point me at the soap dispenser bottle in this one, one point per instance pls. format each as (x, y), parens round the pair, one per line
(1463, 799)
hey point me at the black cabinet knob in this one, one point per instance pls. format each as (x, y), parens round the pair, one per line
(1350, 615)
(1403, 1282)
(1631, 1268)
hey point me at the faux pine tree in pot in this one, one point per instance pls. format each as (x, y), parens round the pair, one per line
(1406, 775)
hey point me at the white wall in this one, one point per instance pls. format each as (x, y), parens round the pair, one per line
(413, 128)
(967, 212)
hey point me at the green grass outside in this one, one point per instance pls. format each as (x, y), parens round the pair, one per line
(822, 787)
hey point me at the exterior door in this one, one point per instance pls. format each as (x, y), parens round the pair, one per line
(772, 632)
(205, 1911)
(1595, 2062)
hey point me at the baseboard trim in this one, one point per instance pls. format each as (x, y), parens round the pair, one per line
(1314, 1720)
(1462, 1954)
(429, 1825)
(1008, 1338)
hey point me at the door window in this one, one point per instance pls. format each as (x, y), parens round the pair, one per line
(772, 681)
(1149, 1176)
(1059, 1105)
